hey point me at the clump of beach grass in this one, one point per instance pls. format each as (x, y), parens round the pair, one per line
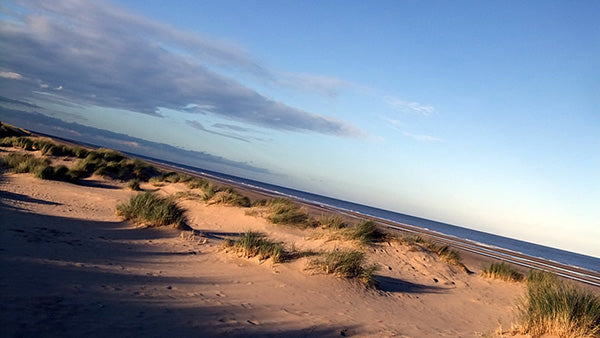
(285, 211)
(557, 307)
(134, 184)
(346, 263)
(365, 232)
(334, 222)
(24, 163)
(442, 251)
(252, 244)
(502, 271)
(152, 210)
(113, 164)
(230, 196)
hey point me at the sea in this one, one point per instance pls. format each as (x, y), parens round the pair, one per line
(480, 237)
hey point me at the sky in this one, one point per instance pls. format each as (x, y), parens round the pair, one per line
(483, 114)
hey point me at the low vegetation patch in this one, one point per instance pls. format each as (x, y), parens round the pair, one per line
(7, 130)
(443, 251)
(39, 167)
(113, 164)
(285, 211)
(252, 244)
(364, 232)
(557, 307)
(45, 145)
(502, 271)
(152, 210)
(134, 184)
(230, 196)
(346, 263)
(334, 222)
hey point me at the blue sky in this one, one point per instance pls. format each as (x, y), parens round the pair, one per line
(480, 114)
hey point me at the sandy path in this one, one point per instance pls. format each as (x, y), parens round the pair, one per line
(72, 268)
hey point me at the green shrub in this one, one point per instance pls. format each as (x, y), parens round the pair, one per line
(556, 307)
(252, 244)
(502, 271)
(347, 264)
(285, 211)
(152, 210)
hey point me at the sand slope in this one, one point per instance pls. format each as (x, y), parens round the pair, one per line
(71, 267)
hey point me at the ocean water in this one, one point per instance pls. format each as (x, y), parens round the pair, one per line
(531, 249)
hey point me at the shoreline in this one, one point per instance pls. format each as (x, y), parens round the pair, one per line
(575, 273)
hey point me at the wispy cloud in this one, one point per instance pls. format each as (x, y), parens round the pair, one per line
(411, 107)
(197, 125)
(71, 46)
(422, 137)
(230, 127)
(11, 75)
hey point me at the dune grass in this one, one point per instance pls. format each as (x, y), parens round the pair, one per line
(45, 145)
(365, 232)
(39, 167)
(558, 307)
(252, 244)
(230, 196)
(113, 164)
(346, 263)
(134, 184)
(7, 130)
(442, 251)
(285, 211)
(334, 222)
(152, 210)
(502, 271)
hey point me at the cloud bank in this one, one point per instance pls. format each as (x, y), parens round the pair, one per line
(94, 53)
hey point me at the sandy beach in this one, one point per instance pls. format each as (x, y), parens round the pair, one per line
(72, 267)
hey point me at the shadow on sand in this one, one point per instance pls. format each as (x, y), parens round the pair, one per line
(390, 284)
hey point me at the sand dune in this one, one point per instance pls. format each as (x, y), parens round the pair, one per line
(72, 267)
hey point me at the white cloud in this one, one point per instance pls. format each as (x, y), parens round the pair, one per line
(11, 75)
(149, 66)
(421, 137)
(411, 107)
